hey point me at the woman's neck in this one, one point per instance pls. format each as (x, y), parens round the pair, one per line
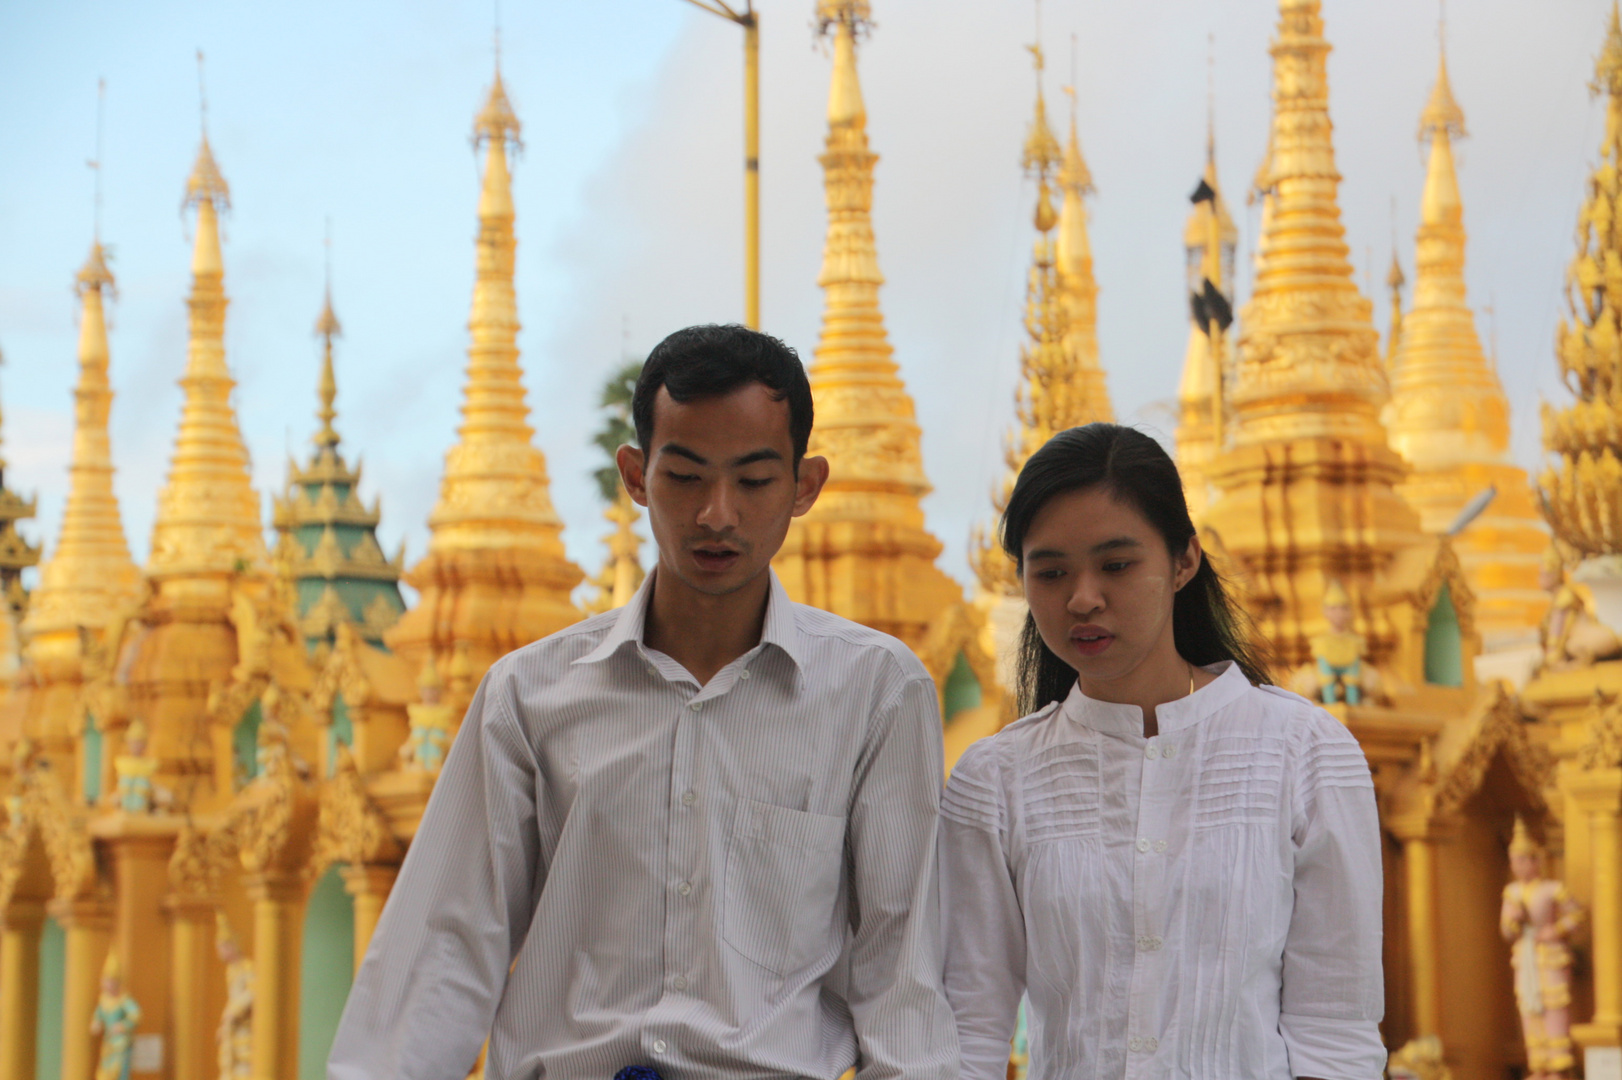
(1162, 676)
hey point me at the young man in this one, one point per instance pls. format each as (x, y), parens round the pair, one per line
(696, 833)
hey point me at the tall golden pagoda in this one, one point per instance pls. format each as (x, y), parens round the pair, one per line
(90, 580)
(1196, 424)
(1308, 488)
(496, 576)
(863, 551)
(1448, 415)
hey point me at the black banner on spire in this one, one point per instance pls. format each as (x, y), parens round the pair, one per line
(1203, 193)
(1209, 305)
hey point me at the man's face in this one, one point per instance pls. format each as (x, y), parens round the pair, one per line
(720, 486)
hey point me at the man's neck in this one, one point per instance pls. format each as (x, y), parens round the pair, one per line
(701, 632)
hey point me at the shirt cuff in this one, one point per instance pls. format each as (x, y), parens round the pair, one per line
(1333, 1049)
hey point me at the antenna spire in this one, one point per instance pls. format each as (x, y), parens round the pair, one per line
(95, 163)
(202, 95)
(1210, 96)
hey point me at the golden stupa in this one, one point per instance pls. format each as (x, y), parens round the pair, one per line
(238, 745)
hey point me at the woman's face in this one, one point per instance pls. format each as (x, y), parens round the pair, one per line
(1100, 585)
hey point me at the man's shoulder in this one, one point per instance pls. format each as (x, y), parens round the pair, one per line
(847, 642)
(551, 656)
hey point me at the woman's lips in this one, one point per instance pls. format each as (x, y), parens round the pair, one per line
(1090, 640)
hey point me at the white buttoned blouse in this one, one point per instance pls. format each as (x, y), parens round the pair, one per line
(1204, 904)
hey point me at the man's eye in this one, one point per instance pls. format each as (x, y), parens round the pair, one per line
(756, 481)
(683, 478)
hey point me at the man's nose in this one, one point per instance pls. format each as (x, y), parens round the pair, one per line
(720, 511)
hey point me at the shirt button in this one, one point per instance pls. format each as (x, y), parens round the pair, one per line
(1133, 1044)
(680, 982)
(688, 798)
(1160, 845)
(1169, 752)
(695, 706)
(1151, 1044)
(1152, 752)
(1143, 844)
(659, 1046)
(685, 888)
(744, 674)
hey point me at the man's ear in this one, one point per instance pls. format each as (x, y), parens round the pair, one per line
(1188, 564)
(808, 484)
(633, 472)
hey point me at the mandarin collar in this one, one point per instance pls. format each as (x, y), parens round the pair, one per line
(1113, 718)
(780, 628)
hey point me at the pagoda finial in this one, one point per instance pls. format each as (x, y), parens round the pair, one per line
(1583, 490)
(327, 328)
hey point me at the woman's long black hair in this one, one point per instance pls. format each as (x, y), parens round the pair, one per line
(1135, 470)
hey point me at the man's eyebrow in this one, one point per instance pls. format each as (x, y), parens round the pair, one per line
(1116, 544)
(681, 451)
(765, 454)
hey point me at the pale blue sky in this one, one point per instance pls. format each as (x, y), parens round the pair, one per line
(628, 203)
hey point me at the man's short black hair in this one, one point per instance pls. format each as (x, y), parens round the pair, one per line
(710, 360)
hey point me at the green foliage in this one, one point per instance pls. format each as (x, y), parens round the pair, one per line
(617, 428)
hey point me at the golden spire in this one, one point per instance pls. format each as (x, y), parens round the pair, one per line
(208, 518)
(865, 536)
(1209, 254)
(90, 578)
(1394, 280)
(1089, 395)
(1058, 389)
(494, 530)
(1449, 417)
(1307, 490)
(327, 327)
(1583, 491)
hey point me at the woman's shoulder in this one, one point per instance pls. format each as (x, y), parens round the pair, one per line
(982, 775)
(1283, 712)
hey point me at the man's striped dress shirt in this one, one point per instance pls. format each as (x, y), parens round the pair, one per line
(728, 881)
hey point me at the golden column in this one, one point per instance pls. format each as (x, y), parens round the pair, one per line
(1196, 423)
(1086, 395)
(863, 551)
(1449, 417)
(87, 927)
(1307, 491)
(496, 576)
(1419, 864)
(20, 925)
(89, 580)
(193, 965)
(369, 886)
(1593, 785)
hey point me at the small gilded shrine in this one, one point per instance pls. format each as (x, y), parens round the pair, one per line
(211, 766)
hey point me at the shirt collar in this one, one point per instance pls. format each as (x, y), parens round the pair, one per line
(1113, 718)
(780, 628)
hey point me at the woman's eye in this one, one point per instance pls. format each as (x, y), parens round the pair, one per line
(1115, 567)
(1049, 575)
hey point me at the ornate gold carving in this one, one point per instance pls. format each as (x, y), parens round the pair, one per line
(1499, 728)
(1603, 747)
(351, 828)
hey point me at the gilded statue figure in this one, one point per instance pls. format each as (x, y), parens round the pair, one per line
(1538, 919)
(431, 722)
(1572, 636)
(1339, 651)
(135, 769)
(114, 1022)
(235, 1035)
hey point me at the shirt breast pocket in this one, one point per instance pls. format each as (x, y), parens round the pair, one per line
(782, 881)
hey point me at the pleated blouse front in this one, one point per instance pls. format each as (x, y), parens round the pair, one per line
(1203, 904)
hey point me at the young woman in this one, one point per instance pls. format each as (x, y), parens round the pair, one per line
(1177, 864)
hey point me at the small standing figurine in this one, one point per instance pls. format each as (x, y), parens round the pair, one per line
(235, 1034)
(1339, 652)
(430, 739)
(135, 768)
(1538, 919)
(114, 1023)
